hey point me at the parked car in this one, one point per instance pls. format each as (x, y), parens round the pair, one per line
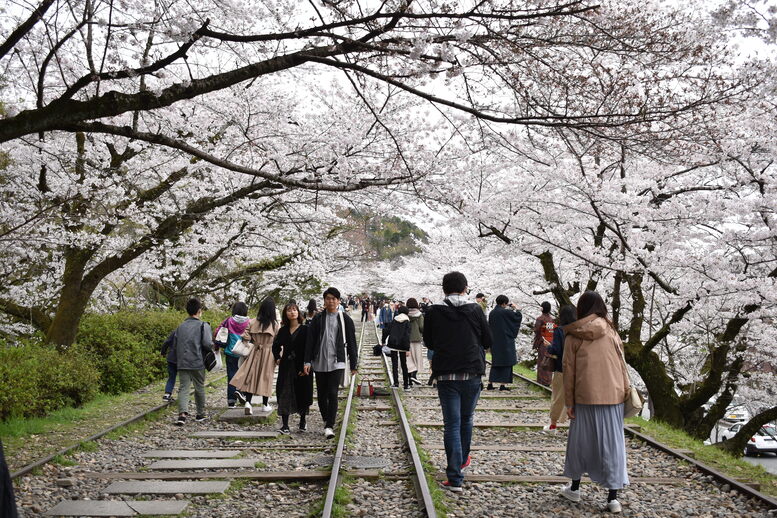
(764, 440)
(736, 414)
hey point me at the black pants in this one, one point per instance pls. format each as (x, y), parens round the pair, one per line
(7, 502)
(403, 361)
(365, 315)
(327, 385)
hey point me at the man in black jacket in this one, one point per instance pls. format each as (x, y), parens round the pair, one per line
(329, 334)
(458, 333)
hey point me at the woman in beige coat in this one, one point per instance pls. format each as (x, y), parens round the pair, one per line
(255, 375)
(595, 386)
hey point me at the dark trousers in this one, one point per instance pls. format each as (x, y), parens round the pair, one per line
(327, 385)
(172, 373)
(231, 371)
(458, 400)
(7, 501)
(365, 315)
(403, 361)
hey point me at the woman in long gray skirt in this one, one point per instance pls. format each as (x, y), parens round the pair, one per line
(595, 385)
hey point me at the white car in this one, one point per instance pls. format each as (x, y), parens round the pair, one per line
(764, 440)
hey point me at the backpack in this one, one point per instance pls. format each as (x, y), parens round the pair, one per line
(399, 336)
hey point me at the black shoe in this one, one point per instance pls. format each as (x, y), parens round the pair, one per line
(502, 387)
(167, 397)
(395, 385)
(490, 387)
(285, 430)
(231, 405)
(181, 419)
(200, 418)
(415, 380)
(240, 397)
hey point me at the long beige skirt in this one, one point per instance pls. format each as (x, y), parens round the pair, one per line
(558, 412)
(255, 374)
(415, 361)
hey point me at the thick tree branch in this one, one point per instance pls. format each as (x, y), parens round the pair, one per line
(162, 140)
(37, 316)
(25, 27)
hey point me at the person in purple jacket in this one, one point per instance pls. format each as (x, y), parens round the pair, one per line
(235, 324)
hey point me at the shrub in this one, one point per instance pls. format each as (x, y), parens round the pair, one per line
(127, 345)
(113, 353)
(35, 378)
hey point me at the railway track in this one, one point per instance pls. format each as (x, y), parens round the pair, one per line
(516, 466)
(227, 467)
(234, 467)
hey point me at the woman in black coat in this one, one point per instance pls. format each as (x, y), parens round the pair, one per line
(294, 389)
(504, 322)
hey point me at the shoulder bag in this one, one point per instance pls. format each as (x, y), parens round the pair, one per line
(208, 356)
(242, 347)
(633, 403)
(346, 381)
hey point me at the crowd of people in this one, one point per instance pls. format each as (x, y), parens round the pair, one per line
(579, 355)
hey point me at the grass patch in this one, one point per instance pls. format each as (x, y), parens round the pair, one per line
(88, 446)
(61, 460)
(722, 461)
(259, 464)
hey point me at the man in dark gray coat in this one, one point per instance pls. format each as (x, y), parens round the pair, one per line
(190, 337)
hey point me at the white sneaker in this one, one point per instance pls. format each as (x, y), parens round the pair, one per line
(266, 408)
(249, 409)
(614, 506)
(547, 428)
(329, 433)
(572, 496)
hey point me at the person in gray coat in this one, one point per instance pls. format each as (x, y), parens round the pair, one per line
(190, 337)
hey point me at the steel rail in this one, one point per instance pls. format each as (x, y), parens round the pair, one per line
(338, 460)
(419, 477)
(45, 460)
(708, 470)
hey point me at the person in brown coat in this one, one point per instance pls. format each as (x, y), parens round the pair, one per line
(256, 372)
(596, 384)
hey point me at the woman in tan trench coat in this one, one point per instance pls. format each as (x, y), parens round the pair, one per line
(255, 375)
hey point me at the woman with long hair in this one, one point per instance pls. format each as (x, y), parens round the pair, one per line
(596, 384)
(294, 388)
(566, 315)
(255, 375)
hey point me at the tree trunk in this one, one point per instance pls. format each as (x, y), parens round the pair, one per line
(73, 299)
(659, 384)
(736, 445)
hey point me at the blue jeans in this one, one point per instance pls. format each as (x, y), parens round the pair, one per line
(458, 400)
(172, 372)
(231, 371)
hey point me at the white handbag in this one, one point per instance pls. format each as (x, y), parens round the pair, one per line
(242, 348)
(633, 403)
(346, 381)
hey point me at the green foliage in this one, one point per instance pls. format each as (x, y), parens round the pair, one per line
(35, 378)
(393, 237)
(113, 354)
(126, 345)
